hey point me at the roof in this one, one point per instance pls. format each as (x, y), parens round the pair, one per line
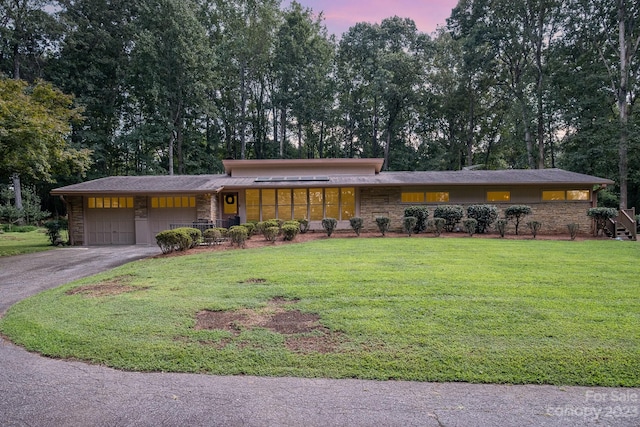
(198, 184)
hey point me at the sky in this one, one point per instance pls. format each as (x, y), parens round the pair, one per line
(340, 15)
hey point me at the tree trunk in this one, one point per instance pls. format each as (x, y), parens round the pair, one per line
(283, 130)
(243, 112)
(623, 106)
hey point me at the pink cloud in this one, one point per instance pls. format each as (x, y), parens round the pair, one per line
(339, 15)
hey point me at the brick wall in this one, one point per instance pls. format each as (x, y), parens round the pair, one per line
(207, 207)
(554, 216)
(75, 213)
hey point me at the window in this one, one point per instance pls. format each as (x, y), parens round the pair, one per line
(553, 195)
(498, 196)
(578, 195)
(110, 202)
(438, 197)
(422, 197)
(298, 203)
(412, 197)
(173, 202)
(558, 195)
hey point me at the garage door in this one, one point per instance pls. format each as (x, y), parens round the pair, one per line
(111, 227)
(176, 210)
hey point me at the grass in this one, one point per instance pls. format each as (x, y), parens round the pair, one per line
(23, 243)
(455, 309)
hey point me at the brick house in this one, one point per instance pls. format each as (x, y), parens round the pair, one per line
(133, 209)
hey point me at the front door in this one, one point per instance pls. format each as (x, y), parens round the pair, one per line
(230, 209)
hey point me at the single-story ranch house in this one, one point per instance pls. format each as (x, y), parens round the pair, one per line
(124, 210)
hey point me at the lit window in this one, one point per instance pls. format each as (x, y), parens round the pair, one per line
(316, 204)
(553, 195)
(348, 200)
(578, 195)
(412, 197)
(439, 197)
(173, 202)
(498, 196)
(109, 202)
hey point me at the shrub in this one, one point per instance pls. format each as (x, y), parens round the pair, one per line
(438, 225)
(501, 226)
(271, 233)
(421, 213)
(238, 235)
(534, 226)
(452, 214)
(290, 230)
(174, 240)
(304, 225)
(470, 225)
(18, 228)
(601, 216)
(251, 227)
(638, 223)
(409, 224)
(383, 223)
(53, 230)
(485, 215)
(357, 224)
(195, 236)
(329, 225)
(214, 235)
(516, 213)
(573, 230)
(262, 226)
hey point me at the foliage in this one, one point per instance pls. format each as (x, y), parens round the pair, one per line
(54, 227)
(485, 215)
(383, 224)
(17, 228)
(357, 224)
(470, 225)
(251, 227)
(534, 226)
(479, 315)
(304, 225)
(452, 214)
(516, 213)
(409, 224)
(178, 239)
(271, 233)
(329, 225)
(262, 226)
(573, 230)
(213, 235)
(601, 216)
(12, 243)
(238, 235)
(638, 223)
(290, 230)
(195, 235)
(501, 226)
(438, 225)
(421, 213)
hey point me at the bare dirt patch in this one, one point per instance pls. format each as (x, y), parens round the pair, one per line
(115, 286)
(304, 331)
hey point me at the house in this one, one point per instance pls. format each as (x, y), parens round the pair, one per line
(123, 210)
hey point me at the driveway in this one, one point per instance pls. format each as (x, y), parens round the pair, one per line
(37, 391)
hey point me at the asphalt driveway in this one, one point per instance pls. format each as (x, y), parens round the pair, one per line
(37, 391)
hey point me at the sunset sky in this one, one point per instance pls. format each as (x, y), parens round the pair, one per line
(341, 14)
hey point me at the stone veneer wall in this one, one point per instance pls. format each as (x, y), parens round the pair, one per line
(207, 206)
(554, 216)
(140, 204)
(75, 214)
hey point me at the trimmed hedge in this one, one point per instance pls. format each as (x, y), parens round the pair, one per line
(451, 214)
(329, 225)
(357, 224)
(516, 213)
(421, 213)
(179, 239)
(485, 215)
(383, 223)
(290, 230)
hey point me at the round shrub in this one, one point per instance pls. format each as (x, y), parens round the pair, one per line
(534, 226)
(195, 235)
(470, 225)
(304, 225)
(262, 226)
(251, 227)
(516, 213)
(290, 230)
(238, 235)
(437, 225)
(501, 226)
(452, 214)
(271, 233)
(421, 213)
(485, 215)
(601, 216)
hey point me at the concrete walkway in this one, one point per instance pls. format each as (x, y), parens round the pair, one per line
(37, 391)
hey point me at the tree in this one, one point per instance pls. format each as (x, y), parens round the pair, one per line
(35, 123)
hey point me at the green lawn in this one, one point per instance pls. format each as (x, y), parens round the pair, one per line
(426, 309)
(23, 243)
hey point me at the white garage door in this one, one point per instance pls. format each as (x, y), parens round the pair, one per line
(161, 219)
(111, 227)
